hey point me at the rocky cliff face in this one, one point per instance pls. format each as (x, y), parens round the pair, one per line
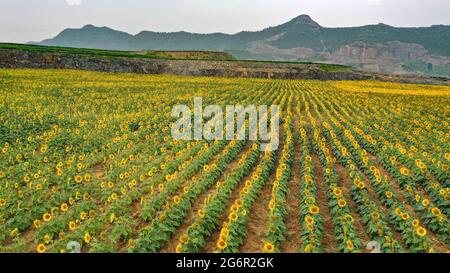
(38, 60)
(384, 58)
(30, 59)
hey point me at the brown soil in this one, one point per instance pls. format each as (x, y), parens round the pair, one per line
(345, 185)
(256, 226)
(292, 243)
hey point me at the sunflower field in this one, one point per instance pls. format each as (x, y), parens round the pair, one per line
(88, 157)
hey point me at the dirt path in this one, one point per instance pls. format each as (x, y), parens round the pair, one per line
(328, 241)
(210, 245)
(257, 222)
(292, 243)
(346, 184)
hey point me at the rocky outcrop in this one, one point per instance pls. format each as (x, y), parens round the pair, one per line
(246, 69)
(388, 58)
(31, 59)
(298, 53)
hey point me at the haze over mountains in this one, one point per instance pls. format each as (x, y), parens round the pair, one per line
(378, 48)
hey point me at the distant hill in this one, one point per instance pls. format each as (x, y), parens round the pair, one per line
(378, 48)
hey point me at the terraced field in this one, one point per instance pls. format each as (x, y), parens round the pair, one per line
(88, 157)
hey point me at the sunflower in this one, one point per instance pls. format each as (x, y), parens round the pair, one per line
(416, 223)
(87, 178)
(114, 196)
(26, 179)
(417, 198)
(308, 180)
(72, 225)
(404, 171)
(309, 220)
(233, 216)
(224, 231)
(37, 223)
(268, 247)
(131, 243)
(92, 213)
(83, 215)
(78, 178)
(314, 210)
(2, 202)
(221, 244)
(350, 245)
(425, 202)
(239, 203)
(160, 186)
(201, 213)
(421, 231)
(348, 218)
(389, 194)
(337, 191)
(176, 199)
(184, 238)
(272, 204)
(87, 238)
(86, 196)
(41, 248)
(436, 212)
(405, 216)
(342, 203)
(375, 215)
(47, 239)
(179, 248)
(162, 217)
(47, 217)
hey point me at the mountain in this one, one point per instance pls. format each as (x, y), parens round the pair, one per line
(379, 48)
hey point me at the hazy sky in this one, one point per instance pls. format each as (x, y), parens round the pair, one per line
(35, 20)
